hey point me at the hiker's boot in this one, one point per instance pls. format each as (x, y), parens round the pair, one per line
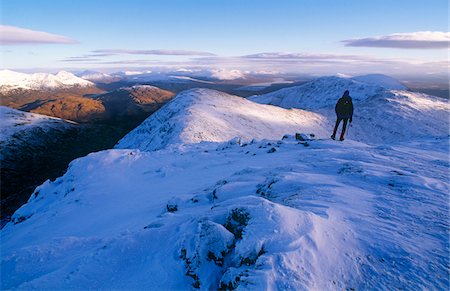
(333, 137)
(342, 135)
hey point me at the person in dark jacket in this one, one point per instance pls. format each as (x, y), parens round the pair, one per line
(344, 112)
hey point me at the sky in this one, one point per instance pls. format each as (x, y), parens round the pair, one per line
(302, 36)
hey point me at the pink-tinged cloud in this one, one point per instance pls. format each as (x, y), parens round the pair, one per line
(413, 40)
(11, 35)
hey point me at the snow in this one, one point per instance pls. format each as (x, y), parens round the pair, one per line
(13, 80)
(381, 115)
(95, 76)
(14, 121)
(319, 93)
(186, 78)
(140, 87)
(381, 80)
(204, 115)
(325, 216)
(207, 194)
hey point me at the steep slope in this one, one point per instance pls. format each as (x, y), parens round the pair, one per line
(200, 115)
(380, 114)
(74, 108)
(136, 101)
(19, 130)
(26, 100)
(34, 148)
(14, 122)
(265, 215)
(90, 104)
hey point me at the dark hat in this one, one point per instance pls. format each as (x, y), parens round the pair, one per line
(346, 93)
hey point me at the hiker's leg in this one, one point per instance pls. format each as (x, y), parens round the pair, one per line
(338, 120)
(344, 127)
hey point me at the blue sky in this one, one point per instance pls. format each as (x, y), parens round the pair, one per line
(229, 29)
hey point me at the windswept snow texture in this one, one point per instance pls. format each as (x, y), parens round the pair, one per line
(10, 80)
(380, 115)
(265, 215)
(200, 115)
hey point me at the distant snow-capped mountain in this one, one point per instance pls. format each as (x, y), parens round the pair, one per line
(14, 80)
(200, 115)
(381, 80)
(94, 76)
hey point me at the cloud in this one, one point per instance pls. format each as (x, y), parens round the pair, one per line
(223, 74)
(280, 61)
(81, 59)
(11, 35)
(97, 55)
(413, 40)
(230, 68)
(302, 57)
(318, 63)
(152, 52)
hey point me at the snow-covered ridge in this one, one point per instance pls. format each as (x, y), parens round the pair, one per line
(95, 76)
(324, 91)
(381, 80)
(381, 115)
(140, 87)
(204, 115)
(14, 121)
(15, 80)
(318, 93)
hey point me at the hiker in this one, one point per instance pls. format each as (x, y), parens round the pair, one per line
(344, 111)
